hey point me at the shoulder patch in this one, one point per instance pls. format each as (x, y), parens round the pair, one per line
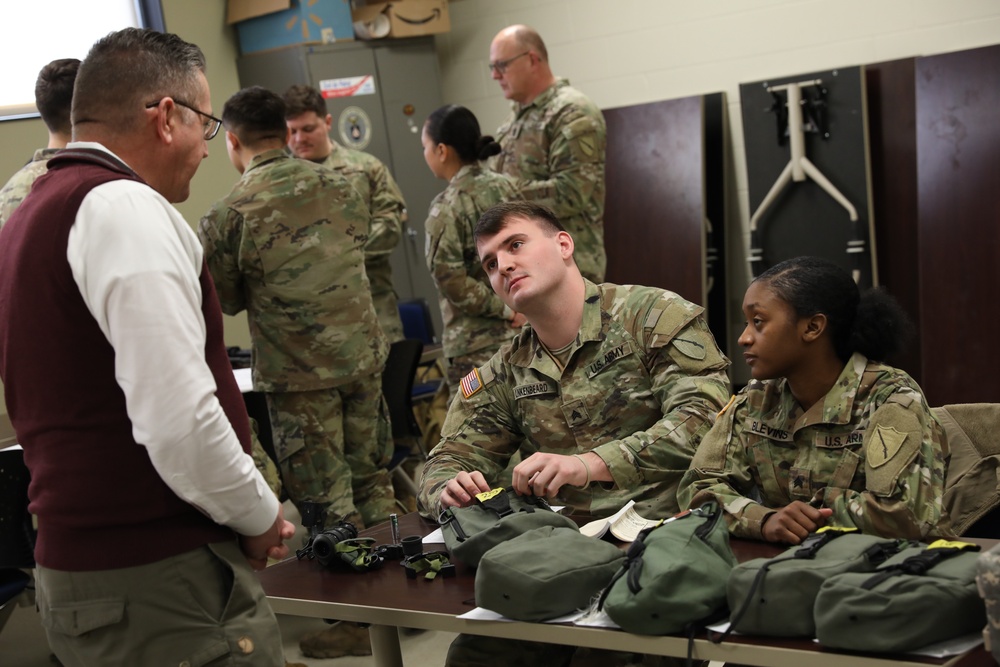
(673, 317)
(885, 443)
(471, 384)
(689, 348)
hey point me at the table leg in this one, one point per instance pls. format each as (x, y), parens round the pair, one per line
(385, 645)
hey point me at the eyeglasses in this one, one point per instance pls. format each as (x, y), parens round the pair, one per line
(210, 125)
(500, 66)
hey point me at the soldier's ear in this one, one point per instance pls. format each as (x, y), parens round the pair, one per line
(813, 326)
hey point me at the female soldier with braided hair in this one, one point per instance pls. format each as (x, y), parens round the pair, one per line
(824, 434)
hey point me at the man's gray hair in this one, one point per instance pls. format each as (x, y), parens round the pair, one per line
(129, 69)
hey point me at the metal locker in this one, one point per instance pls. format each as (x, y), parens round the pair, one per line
(389, 89)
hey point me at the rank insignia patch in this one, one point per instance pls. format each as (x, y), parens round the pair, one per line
(471, 383)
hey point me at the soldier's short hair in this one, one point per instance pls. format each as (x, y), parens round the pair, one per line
(130, 69)
(54, 93)
(256, 115)
(301, 98)
(499, 216)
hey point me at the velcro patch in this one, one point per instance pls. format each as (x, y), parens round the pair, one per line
(471, 383)
(884, 444)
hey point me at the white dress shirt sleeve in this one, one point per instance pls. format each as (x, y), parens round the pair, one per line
(137, 264)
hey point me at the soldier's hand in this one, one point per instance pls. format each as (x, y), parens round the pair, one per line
(792, 523)
(543, 474)
(270, 544)
(460, 490)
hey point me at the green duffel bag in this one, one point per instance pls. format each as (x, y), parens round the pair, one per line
(775, 596)
(674, 576)
(496, 516)
(545, 573)
(922, 595)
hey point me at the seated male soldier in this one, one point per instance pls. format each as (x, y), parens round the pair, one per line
(606, 393)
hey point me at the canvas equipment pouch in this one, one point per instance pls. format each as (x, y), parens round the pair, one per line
(496, 516)
(775, 596)
(988, 583)
(674, 576)
(922, 595)
(545, 573)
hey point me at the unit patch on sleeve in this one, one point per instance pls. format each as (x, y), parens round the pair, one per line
(884, 445)
(471, 383)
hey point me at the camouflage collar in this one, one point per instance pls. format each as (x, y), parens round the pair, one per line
(265, 157)
(838, 404)
(544, 97)
(466, 173)
(44, 154)
(529, 352)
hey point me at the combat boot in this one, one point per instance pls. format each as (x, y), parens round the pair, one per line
(336, 641)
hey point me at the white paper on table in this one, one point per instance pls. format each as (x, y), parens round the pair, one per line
(481, 614)
(595, 619)
(244, 379)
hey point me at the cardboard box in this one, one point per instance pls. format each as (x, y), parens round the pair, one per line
(401, 18)
(271, 24)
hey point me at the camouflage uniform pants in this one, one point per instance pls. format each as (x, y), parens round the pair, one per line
(333, 446)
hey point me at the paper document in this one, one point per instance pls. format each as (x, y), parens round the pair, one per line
(625, 524)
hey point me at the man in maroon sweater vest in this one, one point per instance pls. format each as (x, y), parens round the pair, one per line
(151, 512)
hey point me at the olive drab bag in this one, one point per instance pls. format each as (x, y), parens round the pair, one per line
(674, 575)
(922, 595)
(775, 596)
(545, 573)
(496, 516)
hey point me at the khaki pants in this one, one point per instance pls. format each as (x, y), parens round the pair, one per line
(203, 607)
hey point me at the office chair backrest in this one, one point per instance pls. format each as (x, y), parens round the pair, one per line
(397, 386)
(17, 536)
(417, 322)
(972, 487)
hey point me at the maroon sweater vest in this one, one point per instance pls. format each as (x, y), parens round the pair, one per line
(99, 501)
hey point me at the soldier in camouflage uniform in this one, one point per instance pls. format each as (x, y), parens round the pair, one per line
(606, 393)
(476, 321)
(53, 98)
(823, 435)
(553, 143)
(287, 245)
(310, 125)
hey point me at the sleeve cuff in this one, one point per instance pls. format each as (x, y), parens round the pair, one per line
(752, 521)
(260, 519)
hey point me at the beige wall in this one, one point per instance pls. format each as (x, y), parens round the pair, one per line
(620, 53)
(636, 51)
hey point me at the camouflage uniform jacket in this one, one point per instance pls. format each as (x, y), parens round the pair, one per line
(372, 179)
(641, 387)
(287, 245)
(870, 450)
(554, 147)
(19, 185)
(474, 316)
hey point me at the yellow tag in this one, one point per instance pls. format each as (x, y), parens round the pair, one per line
(884, 444)
(951, 544)
(486, 495)
(588, 145)
(839, 529)
(732, 399)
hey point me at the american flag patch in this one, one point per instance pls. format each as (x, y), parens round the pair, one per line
(471, 383)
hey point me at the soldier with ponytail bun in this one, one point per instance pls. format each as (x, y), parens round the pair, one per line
(825, 433)
(476, 321)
